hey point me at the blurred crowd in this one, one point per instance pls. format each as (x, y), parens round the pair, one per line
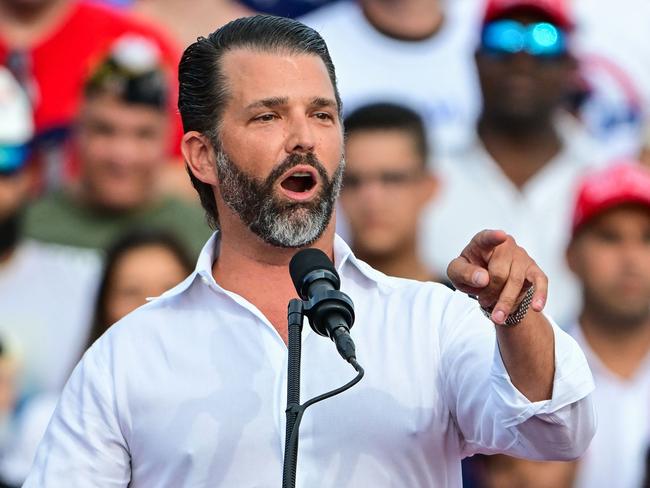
(531, 116)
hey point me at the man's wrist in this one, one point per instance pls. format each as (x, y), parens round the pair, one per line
(518, 313)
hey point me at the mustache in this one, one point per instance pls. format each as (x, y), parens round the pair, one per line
(292, 161)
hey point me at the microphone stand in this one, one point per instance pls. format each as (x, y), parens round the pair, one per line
(295, 410)
(294, 319)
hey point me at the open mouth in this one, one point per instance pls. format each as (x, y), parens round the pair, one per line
(300, 183)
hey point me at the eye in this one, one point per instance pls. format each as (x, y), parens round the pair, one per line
(608, 236)
(351, 182)
(268, 117)
(323, 116)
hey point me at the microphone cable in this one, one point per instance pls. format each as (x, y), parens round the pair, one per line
(299, 410)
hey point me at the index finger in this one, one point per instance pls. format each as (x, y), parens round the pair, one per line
(488, 239)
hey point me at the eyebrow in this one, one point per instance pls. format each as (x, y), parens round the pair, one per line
(273, 102)
(270, 102)
(320, 102)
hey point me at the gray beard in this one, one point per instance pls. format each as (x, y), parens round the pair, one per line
(279, 223)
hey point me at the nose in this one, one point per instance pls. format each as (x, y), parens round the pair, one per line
(522, 62)
(300, 136)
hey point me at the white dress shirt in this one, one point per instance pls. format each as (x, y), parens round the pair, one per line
(616, 457)
(190, 391)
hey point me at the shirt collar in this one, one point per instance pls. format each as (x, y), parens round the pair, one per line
(343, 260)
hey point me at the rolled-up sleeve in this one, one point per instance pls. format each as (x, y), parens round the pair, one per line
(83, 445)
(492, 415)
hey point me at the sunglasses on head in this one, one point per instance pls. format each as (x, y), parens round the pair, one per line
(541, 39)
(13, 158)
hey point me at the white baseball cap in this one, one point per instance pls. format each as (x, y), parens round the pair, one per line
(16, 122)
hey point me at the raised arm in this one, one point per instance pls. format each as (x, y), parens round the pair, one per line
(527, 392)
(500, 273)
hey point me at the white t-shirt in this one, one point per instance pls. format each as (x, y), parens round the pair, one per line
(47, 295)
(436, 77)
(476, 194)
(32, 422)
(616, 456)
(190, 390)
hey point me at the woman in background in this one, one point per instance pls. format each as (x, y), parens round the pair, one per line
(141, 264)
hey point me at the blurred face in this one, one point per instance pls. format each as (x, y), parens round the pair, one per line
(522, 87)
(384, 191)
(121, 148)
(280, 163)
(612, 259)
(143, 272)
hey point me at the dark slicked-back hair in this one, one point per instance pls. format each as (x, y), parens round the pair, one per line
(203, 85)
(389, 116)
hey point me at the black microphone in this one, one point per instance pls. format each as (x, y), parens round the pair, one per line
(330, 311)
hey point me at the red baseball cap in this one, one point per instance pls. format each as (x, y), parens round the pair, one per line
(557, 11)
(605, 189)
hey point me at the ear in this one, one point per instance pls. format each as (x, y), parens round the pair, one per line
(199, 156)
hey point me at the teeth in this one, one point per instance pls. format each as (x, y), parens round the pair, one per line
(303, 174)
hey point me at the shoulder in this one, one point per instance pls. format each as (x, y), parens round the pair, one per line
(59, 219)
(48, 211)
(53, 200)
(175, 206)
(186, 219)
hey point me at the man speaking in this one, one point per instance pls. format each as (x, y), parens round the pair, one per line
(189, 390)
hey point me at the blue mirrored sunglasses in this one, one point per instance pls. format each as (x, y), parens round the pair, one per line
(13, 158)
(540, 39)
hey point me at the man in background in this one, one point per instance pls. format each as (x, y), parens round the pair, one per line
(51, 46)
(610, 254)
(520, 172)
(121, 140)
(386, 187)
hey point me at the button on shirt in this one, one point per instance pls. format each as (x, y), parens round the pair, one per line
(190, 390)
